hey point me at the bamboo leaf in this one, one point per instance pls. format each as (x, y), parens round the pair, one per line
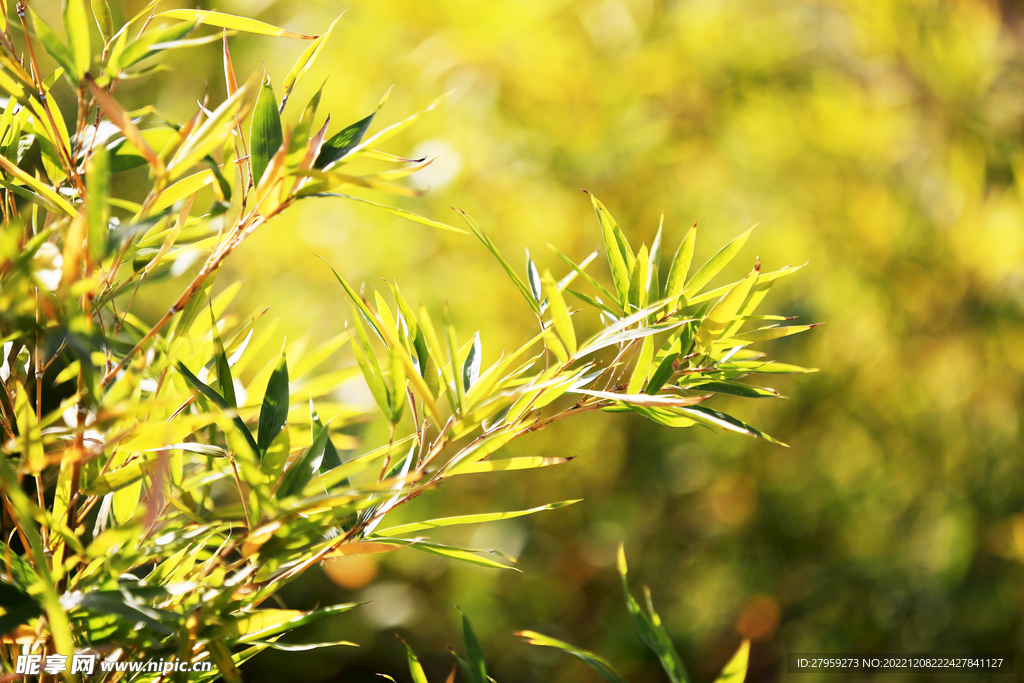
(104, 20)
(471, 367)
(416, 669)
(52, 44)
(121, 477)
(642, 367)
(343, 142)
(714, 266)
(265, 133)
(301, 471)
(222, 20)
(736, 670)
(97, 181)
(722, 313)
(76, 25)
(413, 527)
(646, 400)
(305, 62)
(527, 294)
(533, 277)
(395, 128)
(599, 664)
(766, 334)
(651, 630)
(210, 135)
(733, 389)
(453, 357)
(714, 418)
(506, 465)
(618, 258)
(38, 187)
(367, 362)
(401, 213)
(147, 45)
(120, 118)
(475, 670)
(580, 270)
(220, 359)
(639, 280)
(274, 411)
(560, 314)
(397, 379)
(762, 279)
(681, 266)
(219, 401)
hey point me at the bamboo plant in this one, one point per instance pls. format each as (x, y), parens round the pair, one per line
(158, 487)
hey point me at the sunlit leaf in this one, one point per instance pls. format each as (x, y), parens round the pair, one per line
(265, 133)
(602, 666)
(222, 20)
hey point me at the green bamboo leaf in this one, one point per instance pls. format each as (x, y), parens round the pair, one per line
(506, 465)
(654, 265)
(533, 277)
(230, 21)
(104, 20)
(476, 670)
(413, 527)
(331, 458)
(471, 367)
(396, 128)
(722, 313)
(38, 187)
(401, 213)
(305, 466)
(265, 133)
(121, 477)
(221, 656)
(52, 44)
(305, 62)
(579, 269)
(76, 25)
(190, 314)
(397, 378)
(762, 279)
(453, 357)
(767, 368)
(639, 280)
(714, 418)
(560, 314)
(368, 365)
(766, 334)
(224, 380)
(643, 366)
(736, 670)
(618, 258)
(733, 389)
(652, 631)
(210, 135)
(475, 228)
(219, 401)
(416, 669)
(681, 266)
(355, 298)
(342, 143)
(595, 662)
(147, 45)
(97, 181)
(714, 266)
(274, 411)
(476, 557)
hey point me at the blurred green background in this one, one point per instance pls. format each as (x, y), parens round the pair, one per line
(879, 141)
